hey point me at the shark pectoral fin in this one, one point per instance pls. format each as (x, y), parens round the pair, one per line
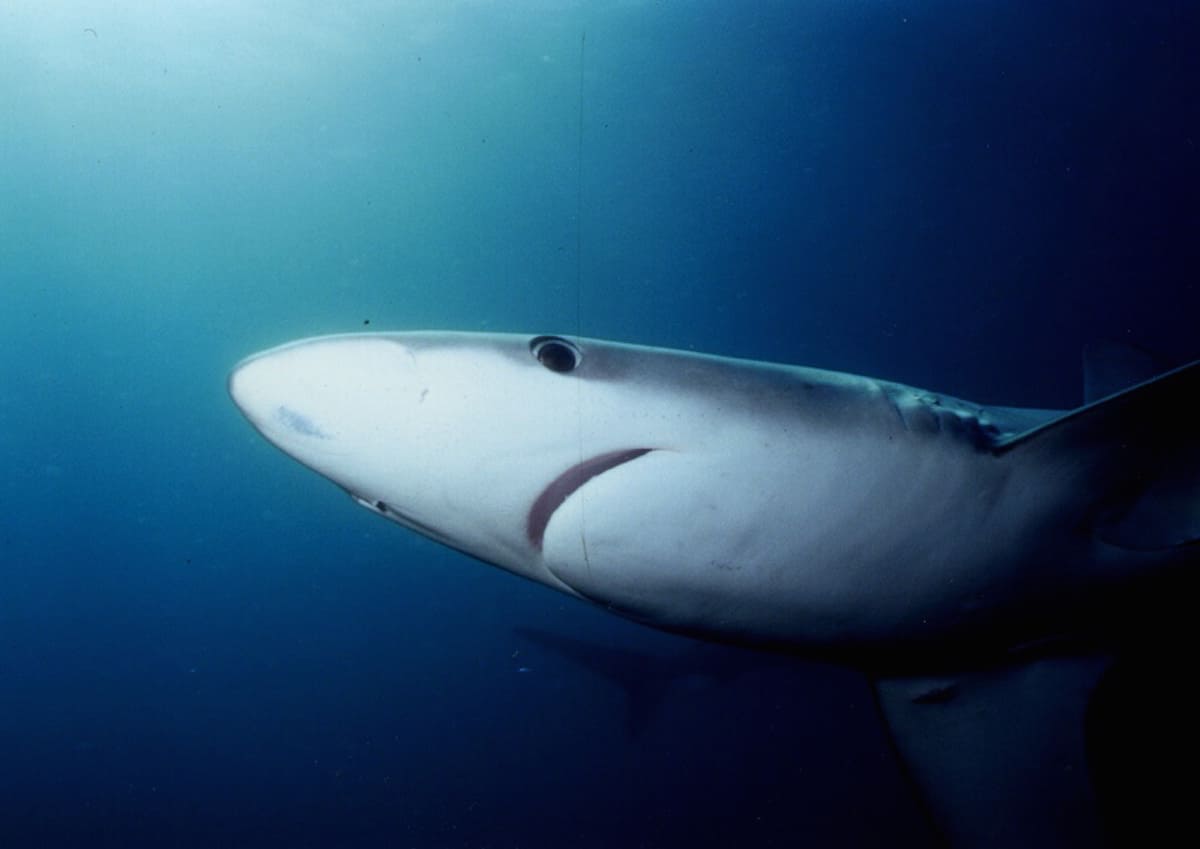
(998, 756)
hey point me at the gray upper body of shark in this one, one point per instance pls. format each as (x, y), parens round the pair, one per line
(968, 557)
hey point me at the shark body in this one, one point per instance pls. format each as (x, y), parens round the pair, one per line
(839, 516)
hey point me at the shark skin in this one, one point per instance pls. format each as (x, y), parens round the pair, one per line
(919, 537)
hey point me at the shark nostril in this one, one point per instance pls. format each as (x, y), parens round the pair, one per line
(299, 423)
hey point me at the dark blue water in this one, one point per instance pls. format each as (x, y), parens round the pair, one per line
(203, 644)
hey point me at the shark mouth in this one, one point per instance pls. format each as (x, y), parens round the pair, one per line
(563, 486)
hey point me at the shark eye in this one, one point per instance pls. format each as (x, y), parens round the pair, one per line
(555, 353)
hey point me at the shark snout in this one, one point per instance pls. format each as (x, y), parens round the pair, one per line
(246, 387)
(305, 387)
(264, 391)
(287, 400)
(322, 398)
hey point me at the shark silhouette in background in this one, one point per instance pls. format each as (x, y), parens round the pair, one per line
(983, 565)
(645, 678)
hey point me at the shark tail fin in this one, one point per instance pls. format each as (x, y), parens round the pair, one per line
(1138, 450)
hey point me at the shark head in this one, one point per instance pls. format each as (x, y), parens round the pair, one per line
(600, 469)
(471, 440)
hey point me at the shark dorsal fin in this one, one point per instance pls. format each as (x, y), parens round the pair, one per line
(1141, 415)
(1112, 367)
(1136, 451)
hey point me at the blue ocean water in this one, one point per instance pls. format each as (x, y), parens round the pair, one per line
(204, 644)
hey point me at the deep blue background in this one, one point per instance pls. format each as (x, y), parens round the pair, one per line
(203, 644)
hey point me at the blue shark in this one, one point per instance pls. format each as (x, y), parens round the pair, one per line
(969, 558)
